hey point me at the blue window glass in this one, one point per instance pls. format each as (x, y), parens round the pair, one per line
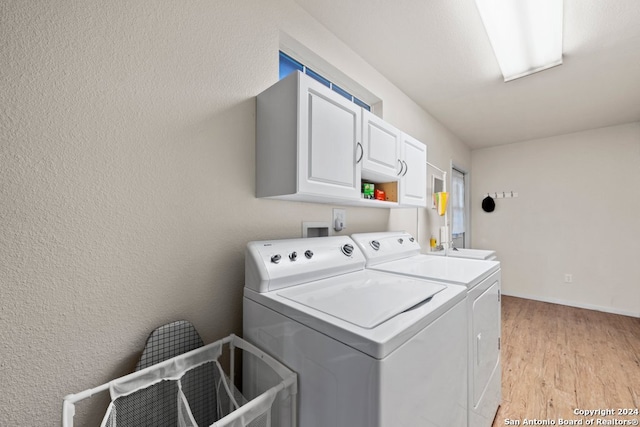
(288, 65)
(342, 92)
(362, 104)
(318, 77)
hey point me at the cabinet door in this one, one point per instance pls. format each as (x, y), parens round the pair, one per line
(381, 142)
(413, 182)
(329, 147)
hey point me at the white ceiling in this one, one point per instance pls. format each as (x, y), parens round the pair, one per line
(438, 53)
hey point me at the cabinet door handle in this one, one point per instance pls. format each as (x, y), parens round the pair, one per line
(401, 167)
(361, 152)
(406, 168)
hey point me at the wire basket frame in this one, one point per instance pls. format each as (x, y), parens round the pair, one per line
(233, 409)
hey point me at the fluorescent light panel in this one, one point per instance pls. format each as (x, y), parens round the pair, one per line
(526, 35)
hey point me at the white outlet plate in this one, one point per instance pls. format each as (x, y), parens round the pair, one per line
(339, 221)
(568, 278)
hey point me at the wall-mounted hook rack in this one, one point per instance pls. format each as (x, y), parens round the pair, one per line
(503, 194)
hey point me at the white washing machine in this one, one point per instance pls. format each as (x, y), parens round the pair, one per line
(399, 252)
(371, 349)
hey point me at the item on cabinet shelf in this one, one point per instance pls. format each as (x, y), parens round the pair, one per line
(441, 202)
(379, 194)
(390, 191)
(367, 190)
(433, 242)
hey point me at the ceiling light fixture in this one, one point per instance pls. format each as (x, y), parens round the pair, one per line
(526, 35)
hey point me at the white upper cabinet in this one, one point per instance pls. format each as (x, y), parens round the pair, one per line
(314, 145)
(381, 142)
(307, 142)
(413, 184)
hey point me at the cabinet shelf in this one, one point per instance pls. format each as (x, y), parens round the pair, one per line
(373, 203)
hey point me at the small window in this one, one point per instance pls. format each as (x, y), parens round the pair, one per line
(342, 92)
(361, 103)
(317, 77)
(288, 65)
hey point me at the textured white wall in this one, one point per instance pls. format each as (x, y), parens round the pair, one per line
(127, 185)
(577, 213)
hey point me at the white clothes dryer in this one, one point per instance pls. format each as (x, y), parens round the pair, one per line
(371, 349)
(399, 253)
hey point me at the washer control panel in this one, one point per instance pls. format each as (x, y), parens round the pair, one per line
(275, 264)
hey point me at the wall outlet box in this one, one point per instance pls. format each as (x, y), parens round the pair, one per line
(316, 229)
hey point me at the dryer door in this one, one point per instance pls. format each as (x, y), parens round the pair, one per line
(486, 332)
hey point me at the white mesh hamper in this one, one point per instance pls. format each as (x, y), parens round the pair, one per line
(233, 409)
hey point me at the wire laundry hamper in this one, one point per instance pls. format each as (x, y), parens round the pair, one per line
(229, 407)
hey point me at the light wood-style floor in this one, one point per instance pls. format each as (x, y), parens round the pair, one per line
(557, 358)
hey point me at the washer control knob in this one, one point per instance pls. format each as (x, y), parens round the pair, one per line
(411, 239)
(375, 245)
(401, 240)
(275, 258)
(308, 254)
(347, 249)
(293, 256)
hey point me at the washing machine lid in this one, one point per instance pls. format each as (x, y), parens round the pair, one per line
(460, 271)
(365, 303)
(339, 311)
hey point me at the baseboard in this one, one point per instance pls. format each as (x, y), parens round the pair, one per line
(573, 304)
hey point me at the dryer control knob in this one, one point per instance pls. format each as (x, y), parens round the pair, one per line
(308, 254)
(375, 245)
(275, 258)
(401, 240)
(411, 239)
(293, 256)
(347, 249)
